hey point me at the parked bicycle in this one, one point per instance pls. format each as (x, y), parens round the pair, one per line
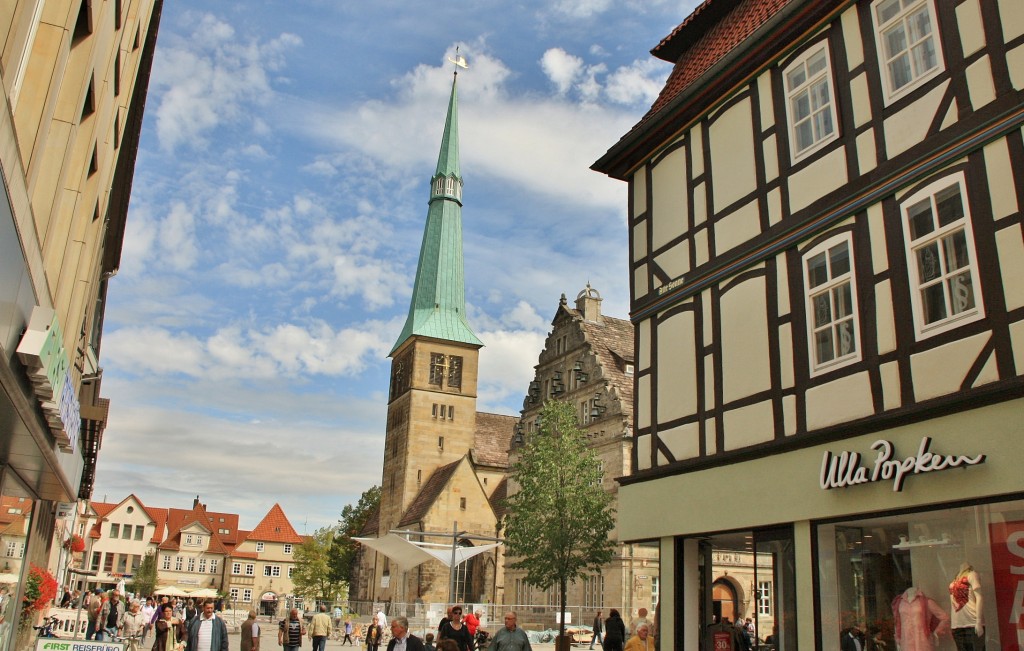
(131, 641)
(47, 628)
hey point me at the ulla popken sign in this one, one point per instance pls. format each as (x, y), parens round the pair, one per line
(850, 468)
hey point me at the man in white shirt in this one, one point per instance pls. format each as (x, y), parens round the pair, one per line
(207, 632)
(148, 611)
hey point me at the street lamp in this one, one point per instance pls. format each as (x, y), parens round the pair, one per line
(81, 597)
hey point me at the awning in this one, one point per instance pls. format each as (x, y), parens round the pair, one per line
(407, 554)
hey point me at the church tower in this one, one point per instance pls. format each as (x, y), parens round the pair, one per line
(433, 389)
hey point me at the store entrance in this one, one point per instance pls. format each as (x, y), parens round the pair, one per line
(748, 580)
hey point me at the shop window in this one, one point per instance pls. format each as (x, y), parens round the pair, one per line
(909, 50)
(941, 257)
(907, 580)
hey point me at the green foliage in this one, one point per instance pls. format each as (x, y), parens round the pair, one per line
(559, 516)
(353, 519)
(144, 579)
(312, 576)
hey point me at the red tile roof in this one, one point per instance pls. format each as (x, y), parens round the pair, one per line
(198, 515)
(274, 527)
(705, 37)
(101, 509)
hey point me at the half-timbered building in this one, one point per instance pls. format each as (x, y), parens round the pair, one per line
(827, 273)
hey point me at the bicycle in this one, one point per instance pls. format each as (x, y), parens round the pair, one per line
(46, 629)
(131, 641)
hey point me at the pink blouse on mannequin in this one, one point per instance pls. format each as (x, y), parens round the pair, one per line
(918, 619)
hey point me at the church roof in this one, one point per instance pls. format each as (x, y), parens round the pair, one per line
(492, 438)
(438, 305)
(429, 493)
(497, 498)
(372, 524)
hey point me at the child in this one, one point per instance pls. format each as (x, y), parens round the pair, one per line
(428, 642)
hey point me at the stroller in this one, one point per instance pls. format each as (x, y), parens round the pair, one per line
(482, 639)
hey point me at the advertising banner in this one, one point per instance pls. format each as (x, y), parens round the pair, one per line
(1008, 567)
(57, 644)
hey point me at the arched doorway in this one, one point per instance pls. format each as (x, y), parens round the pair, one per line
(268, 604)
(725, 602)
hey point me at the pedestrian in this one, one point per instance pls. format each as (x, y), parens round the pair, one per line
(510, 637)
(641, 618)
(320, 629)
(455, 629)
(598, 629)
(65, 601)
(400, 635)
(290, 631)
(207, 632)
(614, 631)
(250, 633)
(93, 615)
(373, 633)
(428, 642)
(169, 631)
(348, 632)
(382, 621)
(190, 611)
(148, 612)
(472, 621)
(133, 622)
(110, 616)
(643, 640)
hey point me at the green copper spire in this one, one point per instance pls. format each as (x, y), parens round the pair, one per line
(438, 307)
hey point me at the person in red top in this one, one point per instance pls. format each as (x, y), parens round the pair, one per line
(472, 621)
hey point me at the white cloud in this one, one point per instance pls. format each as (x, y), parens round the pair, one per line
(639, 83)
(177, 237)
(561, 68)
(581, 8)
(212, 80)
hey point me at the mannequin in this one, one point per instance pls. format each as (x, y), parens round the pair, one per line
(966, 602)
(918, 620)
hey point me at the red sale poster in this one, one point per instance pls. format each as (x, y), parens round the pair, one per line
(1007, 539)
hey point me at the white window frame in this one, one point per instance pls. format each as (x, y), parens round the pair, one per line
(272, 570)
(246, 595)
(191, 565)
(178, 563)
(806, 87)
(833, 282)
(287, 548)
(167, 562)
(259, 547)
(922, 330)
(291, 570)
(764, 598)
(236, 568)
(908, 7)
(250, 569)
(233, 592)
(213, 566)
(202, 566)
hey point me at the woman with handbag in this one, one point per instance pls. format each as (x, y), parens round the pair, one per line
(170, 631)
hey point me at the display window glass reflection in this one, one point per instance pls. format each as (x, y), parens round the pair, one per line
(950, 579)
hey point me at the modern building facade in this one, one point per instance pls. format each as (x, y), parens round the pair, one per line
(73, 75)
(827, 264)
(588, 361)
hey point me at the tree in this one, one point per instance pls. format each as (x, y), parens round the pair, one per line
(559, 517)
(353, 519)
(144, 579)
(313, 577)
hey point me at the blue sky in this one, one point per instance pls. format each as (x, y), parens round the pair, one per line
(280, 194)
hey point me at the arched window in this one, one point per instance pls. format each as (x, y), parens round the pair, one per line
(464, 577)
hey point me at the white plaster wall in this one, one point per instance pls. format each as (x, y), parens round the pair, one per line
(683, 441)
(1015, 62)
(1010, 245)
(817, 180)
(676, 368)
(749, 425)
(674, 261)
(668, 192)
(745, 365)
(737, 227)
(1012, 18)
(979, 83)
(851, 36)
(908, 127)
(839, 401)
(1000, 179)
(940, 371)
(640, 191)
(732, 155)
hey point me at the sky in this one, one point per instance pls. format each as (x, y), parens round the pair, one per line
(279, 200)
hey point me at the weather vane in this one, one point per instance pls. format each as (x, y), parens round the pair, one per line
(459, 61)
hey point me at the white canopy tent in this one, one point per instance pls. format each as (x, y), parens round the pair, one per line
(407, 554)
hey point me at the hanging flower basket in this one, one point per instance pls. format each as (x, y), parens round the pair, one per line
(74, 544)
(40, 590)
